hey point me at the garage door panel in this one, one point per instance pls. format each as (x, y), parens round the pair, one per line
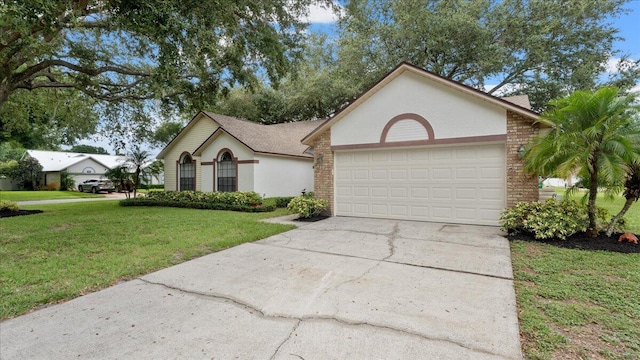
(456, 184)
(361, 191)
(466, 194)
(344, 191)
(441, 173)
(466, 173)
(379, 174)
(491, 173)
(343, 175)
(419, 192)
(441, 193)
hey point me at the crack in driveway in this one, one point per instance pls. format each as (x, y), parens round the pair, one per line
(384, 260)
(299, 320)
(391, 240)
(295, 327)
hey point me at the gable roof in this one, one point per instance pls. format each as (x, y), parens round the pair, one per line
(520, 100)
(278, 139)
(515, 105)
(60, 160)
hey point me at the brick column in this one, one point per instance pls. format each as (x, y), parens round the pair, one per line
(323, 169)
(520, 186)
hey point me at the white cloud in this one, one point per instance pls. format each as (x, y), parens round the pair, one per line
(611, 66)
(319, 14)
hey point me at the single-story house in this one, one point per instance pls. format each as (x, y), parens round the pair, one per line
(80, 166)
(417, 146)
(215, 152)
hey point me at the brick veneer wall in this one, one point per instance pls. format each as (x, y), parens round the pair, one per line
(323, 169)
(520, 186)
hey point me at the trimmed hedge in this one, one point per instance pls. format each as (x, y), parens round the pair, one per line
(196, 205)
(152, 186)
(242, 198)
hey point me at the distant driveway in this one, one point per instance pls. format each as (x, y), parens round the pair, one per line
(342, 288)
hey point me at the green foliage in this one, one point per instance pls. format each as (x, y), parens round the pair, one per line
(283, 202)
(593, 135)
(307, 206)
(27, 173)
(239, 198)
(47, 118)
(11, 150)
(165, 133)
(116, 50)
(153, 186)
(546, 48)
(551, 219)
(196, 205)
(6, 205)
(8, 168)
(66, 181)
(88, 149)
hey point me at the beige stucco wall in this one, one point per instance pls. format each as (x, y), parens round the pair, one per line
(200, 129)
(243, 155)
(450, 113)
(283, 176)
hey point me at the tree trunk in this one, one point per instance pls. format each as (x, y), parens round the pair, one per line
(592, 229)
(617, 218)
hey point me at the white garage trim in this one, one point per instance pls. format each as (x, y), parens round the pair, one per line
(463, 184)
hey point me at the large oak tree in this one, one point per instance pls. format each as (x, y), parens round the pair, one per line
(182, 52)
(544, 48)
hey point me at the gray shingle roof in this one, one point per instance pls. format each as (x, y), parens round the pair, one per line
(281, 139)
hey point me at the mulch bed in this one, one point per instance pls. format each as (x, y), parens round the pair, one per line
(312, 219)
(582, 242)
(8, 213)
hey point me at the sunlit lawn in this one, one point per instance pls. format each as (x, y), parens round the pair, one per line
(72, 249)
(44, 195)
(576, 304)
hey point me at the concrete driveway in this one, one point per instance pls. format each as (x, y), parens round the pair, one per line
(342, 288)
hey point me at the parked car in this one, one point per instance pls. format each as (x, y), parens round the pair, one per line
(97, 185)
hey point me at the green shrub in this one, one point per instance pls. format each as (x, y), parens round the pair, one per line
(152, 186)
(307, 206)
(146, 201)
(66, 181)
(6, 205)
(243, 198)
(551, 219)
(283, 202)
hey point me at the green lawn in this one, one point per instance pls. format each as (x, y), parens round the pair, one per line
(44, 195)
(75, 248)
(579, 304)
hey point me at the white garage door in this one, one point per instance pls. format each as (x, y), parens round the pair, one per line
(461, 184)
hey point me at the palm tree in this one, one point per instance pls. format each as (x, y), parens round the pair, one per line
(120, 177)
(137, 159)
(631, 194)
(592, 133)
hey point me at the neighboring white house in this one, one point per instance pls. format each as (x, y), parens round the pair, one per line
(80, 166)
(221, 153)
